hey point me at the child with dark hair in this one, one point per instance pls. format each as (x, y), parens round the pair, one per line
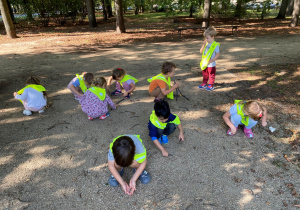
(124, 80)
(163, 123)
(33, 96)
(160, 85)
(127, 151)
(80, 84)
(95, 100)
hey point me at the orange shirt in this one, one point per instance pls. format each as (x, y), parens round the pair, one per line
(157, 83)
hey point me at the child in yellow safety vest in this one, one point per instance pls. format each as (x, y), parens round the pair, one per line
(127, 151)
(246, 113)
(80, 84)
(163, 123)
(94, 101)
(210, 53)
(33, 96)
(124, 80)
(160, 85)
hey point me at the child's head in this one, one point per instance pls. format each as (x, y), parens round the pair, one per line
(99, 82)
(168, 68)
(162, 110)
(118, 74)
(33, 81)
(252, 109)
(123, 150)
(210, 34)
(88, 78)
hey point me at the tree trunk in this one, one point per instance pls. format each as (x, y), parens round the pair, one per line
(28, 10)
(206, 13)
(295, 15)
(282, 11)
(9, 26)
(104, 10)
(10, 11)
(108, 8)
(91, 13)
(290, 7)
(120, 26)
(238, 9)
(191, 10)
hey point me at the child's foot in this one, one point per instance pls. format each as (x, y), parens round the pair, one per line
(41, 111)
(107, 114)
(112, 181)
(165, 139)
(116, 92)
(230, 133)
(27, 112)
(128, 96)
(90, 118)
(103, 117)
(210, 88)
(248, 132)
(145, 177)
(157, 100)
(202, 86)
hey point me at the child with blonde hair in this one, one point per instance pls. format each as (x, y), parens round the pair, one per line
(33, 96)
(210, 53)
(94, 101)
(246, 113)
(80, 84)
(124, 80)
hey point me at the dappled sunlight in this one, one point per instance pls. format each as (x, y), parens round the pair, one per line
(60, 92)
(40, 149)
(19, 119)
(193, 115)
(65, 161)
(9, 110)
(247, 197)
(99, 168)
(239, 49)
(267, 157)
(231, 166)
(246, 153)
(6, 159)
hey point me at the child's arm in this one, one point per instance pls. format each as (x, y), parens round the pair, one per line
(23, 96)
(109, 80)
(110, 102)
(203, 46)
(74, 90)
(130, 90)
(115, 173)
(181, 136)
(264, 117)
(161, 148)
(136, 175)
(228, 122)
(166, 92)
(215, 58)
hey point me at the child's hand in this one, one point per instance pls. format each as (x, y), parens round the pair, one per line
(210, 61)
(181, 137)
(233, 130)
(126, 188)
(15, 93)
(165, 153)
(125, 93)
(132, 187)
(175, 85)
(204, 42)
(263, 123)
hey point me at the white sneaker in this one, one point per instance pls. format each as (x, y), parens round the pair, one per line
(27, 112)
(42, 111)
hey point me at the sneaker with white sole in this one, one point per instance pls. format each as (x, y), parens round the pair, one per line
(41, 111)
(145, 177)
(202, 86)
(27, 112)
(209, 88)
(112, 181)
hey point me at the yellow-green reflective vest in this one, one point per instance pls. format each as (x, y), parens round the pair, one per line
(155, 121)
(163, 78)
(240, 107)
(81, 83)
(137, 157)
(127, 77)
(206, 57)
(39, 88)
(99, 92)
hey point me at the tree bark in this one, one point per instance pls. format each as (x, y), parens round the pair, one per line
(191, 10)
(91, 13)
(104, 10)
(295, 15)
(238, 9)
(9, 26)
(28, 10)
(11, 12)
(120, 26)
(282, 11)
(206, 13)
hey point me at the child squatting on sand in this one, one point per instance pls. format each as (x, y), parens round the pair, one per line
(246, 113)
(124, 80)
(33, 96)
(80, 84)
(127, 150)
(95, 100)
(163, 123)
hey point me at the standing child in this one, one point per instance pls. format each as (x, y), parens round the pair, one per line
(210, 51)
(94, 101)
(80, 84)
(245, 113)
(161, 124)
(124, 80)
(160, 85)
(33, 96)
(127, 150)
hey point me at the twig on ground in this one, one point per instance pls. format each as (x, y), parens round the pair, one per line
(63, 122)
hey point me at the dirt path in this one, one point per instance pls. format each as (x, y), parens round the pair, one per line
(58, 160)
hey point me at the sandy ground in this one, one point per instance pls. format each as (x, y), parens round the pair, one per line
(58, 160)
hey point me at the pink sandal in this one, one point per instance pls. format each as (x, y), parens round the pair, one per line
(229, 132)
(90, 118)
(248, 132)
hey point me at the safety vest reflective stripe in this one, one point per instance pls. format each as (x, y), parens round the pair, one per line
(99, 92)
(137, 157)
(81, 83)
(39, 88)
(126, 78)
(206, 57)
(163, 78)
(240, 107)
(155, 121)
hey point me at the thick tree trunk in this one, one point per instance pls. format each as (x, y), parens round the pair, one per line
(91, 13)
(282, 11)
(9, 26)
(104, 10)
(290, 7)
(10, 11)
(191, 10)
(120, 26)
(238, 9)
(295, 15)
(206, 13)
